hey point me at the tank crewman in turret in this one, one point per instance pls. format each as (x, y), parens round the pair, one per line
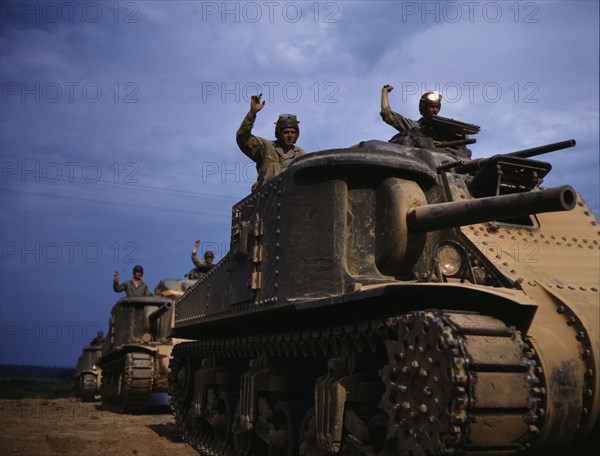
(135, 287)
(430, 131)
(271, 156)
(201, 268)
(429, 105)
(98, 339)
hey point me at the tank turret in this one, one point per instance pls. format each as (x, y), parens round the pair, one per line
(393, 299)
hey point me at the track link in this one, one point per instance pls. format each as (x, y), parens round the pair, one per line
(451, 378)
(129, 381)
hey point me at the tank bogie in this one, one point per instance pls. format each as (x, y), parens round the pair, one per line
(379, 300)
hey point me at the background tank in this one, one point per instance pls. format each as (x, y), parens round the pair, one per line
(392, 300)
(136, 351)
(88, 373)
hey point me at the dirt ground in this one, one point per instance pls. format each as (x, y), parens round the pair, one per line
(48, 427)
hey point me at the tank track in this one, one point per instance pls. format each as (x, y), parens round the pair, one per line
(129, 380)
(448, 379)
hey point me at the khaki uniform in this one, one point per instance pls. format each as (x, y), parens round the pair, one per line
(200, 269)
(269, 156)
(398, 121)
(131, 290)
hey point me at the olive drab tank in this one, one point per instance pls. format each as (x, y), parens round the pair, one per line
(389, 299)
(88, 373)
(136, 351)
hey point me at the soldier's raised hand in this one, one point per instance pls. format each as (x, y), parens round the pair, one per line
(117, 276)
(255, 104)
(197, 244)
(385, 103)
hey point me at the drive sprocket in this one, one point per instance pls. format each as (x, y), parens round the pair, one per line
(441, 369)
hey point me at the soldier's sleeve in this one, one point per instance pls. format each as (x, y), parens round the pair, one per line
(118, 288)
(195, 260)
(252, 146)
(146, 291)
(398, 121)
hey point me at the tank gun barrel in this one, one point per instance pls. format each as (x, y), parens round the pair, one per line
(459, 213)
(468, 166)
(532, 152)
(160, 311)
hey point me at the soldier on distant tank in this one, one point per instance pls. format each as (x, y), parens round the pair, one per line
(135, 287)
(201, 268)
(429, 105)
(271, 156)
(98, 339)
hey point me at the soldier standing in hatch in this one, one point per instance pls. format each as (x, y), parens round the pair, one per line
(98, 339)
(135, 287)
(429, 105)
(271, 156)
(201, 268)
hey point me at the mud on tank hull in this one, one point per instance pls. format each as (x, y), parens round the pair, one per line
(337, 325)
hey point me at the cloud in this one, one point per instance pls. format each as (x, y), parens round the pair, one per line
(155, 91)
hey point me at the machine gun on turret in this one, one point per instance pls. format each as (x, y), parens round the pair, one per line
(440, 134)
(506, 173)
(448, 132)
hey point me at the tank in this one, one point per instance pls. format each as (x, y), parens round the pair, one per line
(389, 299)
(135, 354)
(88, 373)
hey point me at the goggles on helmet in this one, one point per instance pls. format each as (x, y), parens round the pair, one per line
(431, 97)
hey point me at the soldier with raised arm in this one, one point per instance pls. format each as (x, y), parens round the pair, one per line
(429, 105)
(201, 268)
(271, 156)
(133, 288)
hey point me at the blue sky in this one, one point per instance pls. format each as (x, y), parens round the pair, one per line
(118, 123)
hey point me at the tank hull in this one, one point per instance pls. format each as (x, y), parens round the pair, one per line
(333, 327)
(88, 374)
(136, 353)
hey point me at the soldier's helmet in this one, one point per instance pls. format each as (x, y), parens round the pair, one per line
(429, 98)
(286, 121)
(209, 254)
(138, 268)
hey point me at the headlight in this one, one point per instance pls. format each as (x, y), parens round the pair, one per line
(449, 260)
